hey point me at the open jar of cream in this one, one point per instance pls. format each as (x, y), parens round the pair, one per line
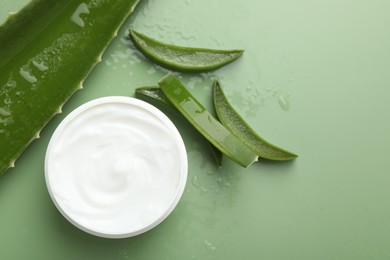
(116, 167)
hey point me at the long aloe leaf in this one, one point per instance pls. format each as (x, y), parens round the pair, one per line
(47, 49)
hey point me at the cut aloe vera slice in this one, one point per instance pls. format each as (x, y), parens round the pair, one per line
(205, 123)
(47, 49)
(181, 58)
(236, 124)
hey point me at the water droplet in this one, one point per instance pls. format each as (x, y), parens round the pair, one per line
(284, 102)
(4, 111)
(194, 81)
(6, 121)
(27, 75)
(40, 65)
(195, 181)
(121, 55)
(152, 70)
(11, 83)
(209, 245)
(81, 9)
(134, 59)
(7, 100)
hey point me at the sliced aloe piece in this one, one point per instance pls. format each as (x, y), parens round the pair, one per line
(181, 58)
(236, 124)
(47, 49)
(205, 123)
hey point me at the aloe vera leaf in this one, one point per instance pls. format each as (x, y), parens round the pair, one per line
(155, 93)
(181, 58)
(236, 124)
(205, 123)
(47, 49)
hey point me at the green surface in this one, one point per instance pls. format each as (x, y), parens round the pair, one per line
(314, 77)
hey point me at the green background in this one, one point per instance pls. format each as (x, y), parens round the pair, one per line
(314, 79)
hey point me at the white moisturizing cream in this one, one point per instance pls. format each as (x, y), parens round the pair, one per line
(116, 167)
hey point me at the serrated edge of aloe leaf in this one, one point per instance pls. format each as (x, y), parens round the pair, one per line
(244, 132)
(170, 77)
(137, 37)
(77, 87)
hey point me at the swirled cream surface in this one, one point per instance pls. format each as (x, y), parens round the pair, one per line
(116, 167)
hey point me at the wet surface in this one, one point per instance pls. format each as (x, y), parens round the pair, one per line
(313, 79)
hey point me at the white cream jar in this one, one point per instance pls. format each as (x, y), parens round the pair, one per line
(116, 167)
